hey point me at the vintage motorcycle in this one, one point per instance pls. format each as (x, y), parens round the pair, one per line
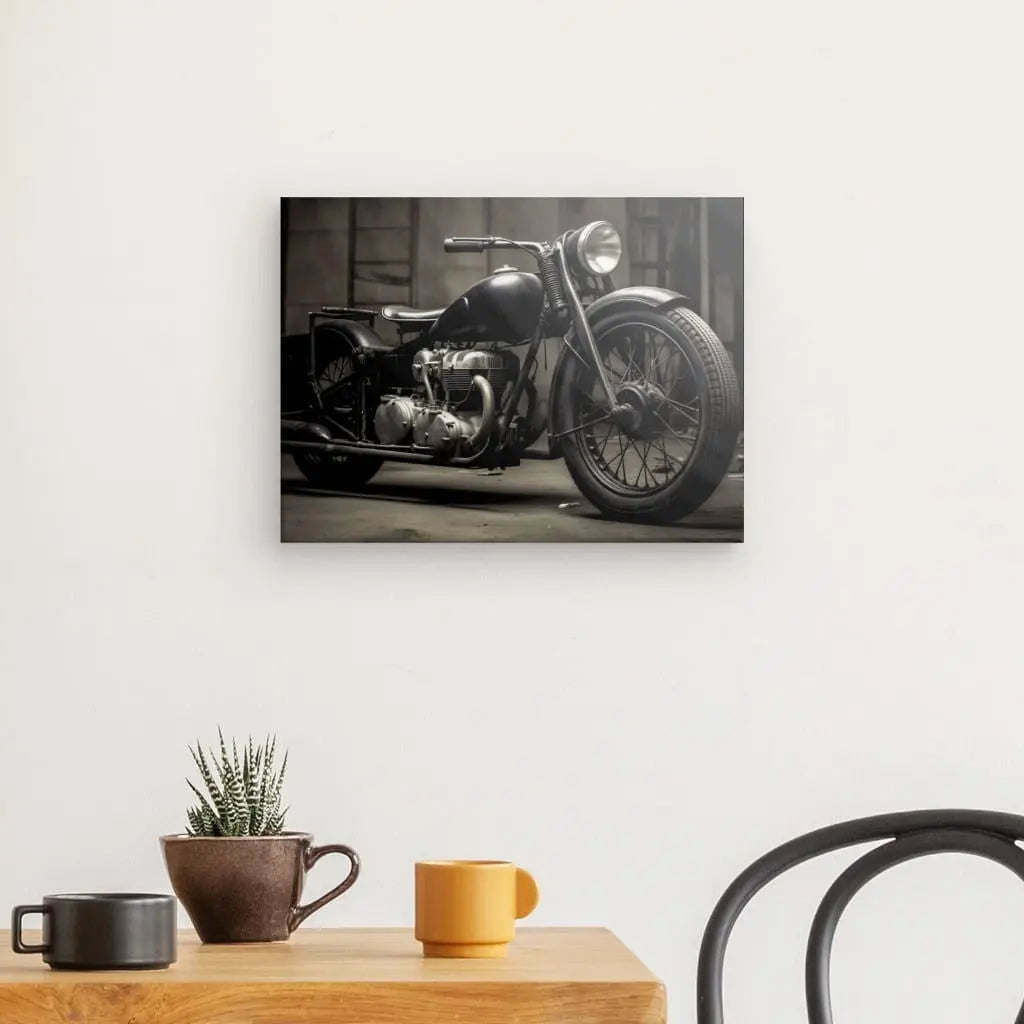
(644, 405)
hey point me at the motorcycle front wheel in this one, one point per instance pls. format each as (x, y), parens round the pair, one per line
(663, 457)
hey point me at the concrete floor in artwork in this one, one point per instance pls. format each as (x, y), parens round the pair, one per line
(414, 503)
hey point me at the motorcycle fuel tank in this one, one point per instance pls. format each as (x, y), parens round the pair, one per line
(503, 307)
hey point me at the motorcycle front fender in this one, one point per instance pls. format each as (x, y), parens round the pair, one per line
(642, 295)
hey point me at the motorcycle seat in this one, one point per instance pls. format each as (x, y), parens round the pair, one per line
(406, 314)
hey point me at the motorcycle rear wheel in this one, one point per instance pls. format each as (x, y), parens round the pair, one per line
(340, 471)
(676, 372)
(336, 382)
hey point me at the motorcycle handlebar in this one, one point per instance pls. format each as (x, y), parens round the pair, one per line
(491, 242)
(465, 244)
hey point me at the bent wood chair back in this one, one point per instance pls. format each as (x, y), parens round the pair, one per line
(989, 834)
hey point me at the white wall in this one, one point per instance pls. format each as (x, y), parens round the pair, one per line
(664, 715)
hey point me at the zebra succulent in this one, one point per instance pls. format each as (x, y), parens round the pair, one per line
(243, 794)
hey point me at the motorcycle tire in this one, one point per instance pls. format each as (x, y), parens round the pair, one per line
(713, 381)
(336, 471)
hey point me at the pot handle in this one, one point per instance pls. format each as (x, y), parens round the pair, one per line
(17, 915)
(313, 854)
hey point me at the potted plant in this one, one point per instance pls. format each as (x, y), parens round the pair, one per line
(237, 872)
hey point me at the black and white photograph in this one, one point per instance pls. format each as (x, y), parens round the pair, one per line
(512, 369)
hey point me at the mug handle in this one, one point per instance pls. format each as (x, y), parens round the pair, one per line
(313, 854)
(17, 916)
(527, 893)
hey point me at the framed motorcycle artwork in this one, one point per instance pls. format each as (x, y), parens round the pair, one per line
(512, 369)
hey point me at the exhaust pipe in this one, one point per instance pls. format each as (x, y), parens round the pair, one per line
(332, 447)
(475, 441)
(487, 417)
(300, 430)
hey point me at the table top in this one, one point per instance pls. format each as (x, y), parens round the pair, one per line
(348, 976)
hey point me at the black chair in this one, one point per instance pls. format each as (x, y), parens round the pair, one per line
(988, 834)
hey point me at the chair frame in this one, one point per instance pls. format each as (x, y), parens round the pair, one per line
(911, 834)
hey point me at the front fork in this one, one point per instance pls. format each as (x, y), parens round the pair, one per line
(619, 412)
(564, 301)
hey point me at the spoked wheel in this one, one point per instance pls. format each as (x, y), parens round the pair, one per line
(661, 451)
(337, 383)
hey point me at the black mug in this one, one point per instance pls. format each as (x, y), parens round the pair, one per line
(102, 931)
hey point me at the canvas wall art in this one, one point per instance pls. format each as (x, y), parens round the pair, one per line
(512, 369)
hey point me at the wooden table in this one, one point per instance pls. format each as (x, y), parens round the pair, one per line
(349, 976)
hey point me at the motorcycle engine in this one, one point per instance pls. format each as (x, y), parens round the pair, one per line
(392, 421)
(447, 407)
(459, 368)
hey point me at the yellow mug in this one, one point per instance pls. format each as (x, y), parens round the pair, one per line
(469, 908)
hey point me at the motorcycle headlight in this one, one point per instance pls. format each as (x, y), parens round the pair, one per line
(596, 248)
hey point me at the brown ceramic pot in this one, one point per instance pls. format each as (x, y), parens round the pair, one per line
(247, 889)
